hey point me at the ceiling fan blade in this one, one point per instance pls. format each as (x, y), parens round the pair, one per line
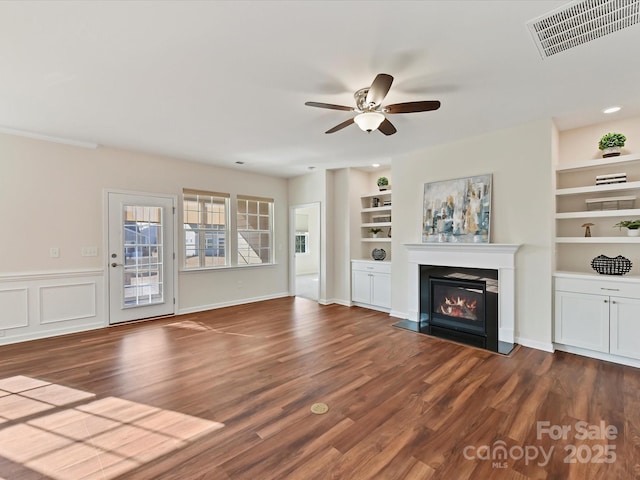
(379, 88)
(346, 123)
(328, 105)
(387, 127)
(410, 107)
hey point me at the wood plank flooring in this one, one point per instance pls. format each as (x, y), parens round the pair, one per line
(226, 395)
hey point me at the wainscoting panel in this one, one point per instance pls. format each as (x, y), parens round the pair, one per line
(14, 307)
(60, 303)
(45, 304)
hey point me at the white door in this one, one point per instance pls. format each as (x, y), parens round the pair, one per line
(361, 286)
(141, 256)
(381, 290)
(582, 320)
(625, 327)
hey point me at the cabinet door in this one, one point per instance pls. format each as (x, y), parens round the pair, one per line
(582, 320)
(625, 327)
(361, 286)
(381, 290)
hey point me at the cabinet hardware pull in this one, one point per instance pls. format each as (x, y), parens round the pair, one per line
(611, 289)
(613, 302)
(606, 301)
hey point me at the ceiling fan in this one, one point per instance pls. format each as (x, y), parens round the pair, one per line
(371, 113)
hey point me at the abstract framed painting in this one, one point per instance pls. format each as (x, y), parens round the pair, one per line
(458, 210)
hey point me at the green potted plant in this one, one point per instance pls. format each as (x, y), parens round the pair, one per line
(383, 183)
(632, 226)
(611, 143)
(375, 232)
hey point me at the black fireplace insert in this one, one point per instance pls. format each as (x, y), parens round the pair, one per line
(460, 304)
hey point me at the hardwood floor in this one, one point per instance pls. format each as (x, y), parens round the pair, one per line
(226, 394)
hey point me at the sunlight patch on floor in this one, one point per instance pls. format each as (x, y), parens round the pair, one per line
(101, 439)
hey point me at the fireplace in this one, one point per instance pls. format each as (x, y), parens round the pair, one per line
(460, 304)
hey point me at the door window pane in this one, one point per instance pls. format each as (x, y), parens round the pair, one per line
(142, 272)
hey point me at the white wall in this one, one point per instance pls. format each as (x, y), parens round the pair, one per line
(581, 144)
(341, 248)
(520, 160)
(52, 195)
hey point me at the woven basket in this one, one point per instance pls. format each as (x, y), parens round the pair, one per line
(611, 266)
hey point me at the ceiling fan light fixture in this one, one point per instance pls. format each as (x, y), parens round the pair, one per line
(369, 121)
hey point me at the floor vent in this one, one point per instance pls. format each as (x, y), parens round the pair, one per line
(580, 22)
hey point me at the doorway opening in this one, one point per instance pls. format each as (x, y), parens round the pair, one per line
(306, 250)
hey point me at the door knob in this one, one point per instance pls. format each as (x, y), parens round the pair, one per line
(114, 264)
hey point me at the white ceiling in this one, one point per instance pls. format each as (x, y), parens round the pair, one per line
(220, 82)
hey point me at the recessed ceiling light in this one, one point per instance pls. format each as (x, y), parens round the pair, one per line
(375, 165)
(611, 110)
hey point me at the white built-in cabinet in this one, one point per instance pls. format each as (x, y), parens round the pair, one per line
(598, 315)
(371, 279)
(371, 284)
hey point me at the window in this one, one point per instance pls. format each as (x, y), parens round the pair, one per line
(302, 242)
(255, 230)
(206, 232)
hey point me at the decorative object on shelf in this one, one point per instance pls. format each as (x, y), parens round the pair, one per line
(375, 202)
(381, 219)
(383, 184)
(611, 143)
(375, 232)
(457, 210)
(611, 266)
(587, 229)
(632, 226)
(611, 178)
(611, 203)
(389, 233)
(378, 254)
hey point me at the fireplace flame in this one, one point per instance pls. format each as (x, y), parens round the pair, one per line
(459, 307)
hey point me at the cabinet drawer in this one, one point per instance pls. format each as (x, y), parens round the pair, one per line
(598, 287)
(372, 267)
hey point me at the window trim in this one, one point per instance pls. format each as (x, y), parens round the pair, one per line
(306, 243)
(271, 231)
(200, 232)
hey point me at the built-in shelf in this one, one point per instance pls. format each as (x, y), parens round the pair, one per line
(377, 209)
(377, 240)
(616, 187)
(599, 213)
(377, 224)
(597, 239)
(376, 194)
(599, 162)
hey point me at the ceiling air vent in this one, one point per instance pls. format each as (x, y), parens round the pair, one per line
(580, 22)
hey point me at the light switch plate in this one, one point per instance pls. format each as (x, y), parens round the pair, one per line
(54, 252)
(89, 251)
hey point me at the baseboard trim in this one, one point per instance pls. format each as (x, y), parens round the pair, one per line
(27, 337)
(396, 314)
(607, 357)
(232, 303)
(527, 342)
(337, 301)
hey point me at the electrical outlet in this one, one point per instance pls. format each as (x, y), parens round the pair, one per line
(54, 252)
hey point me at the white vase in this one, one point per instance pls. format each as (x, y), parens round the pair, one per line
(374, 235)
(611, 152)
(633, 232)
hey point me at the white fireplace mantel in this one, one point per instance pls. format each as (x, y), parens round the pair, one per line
(495, 256)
